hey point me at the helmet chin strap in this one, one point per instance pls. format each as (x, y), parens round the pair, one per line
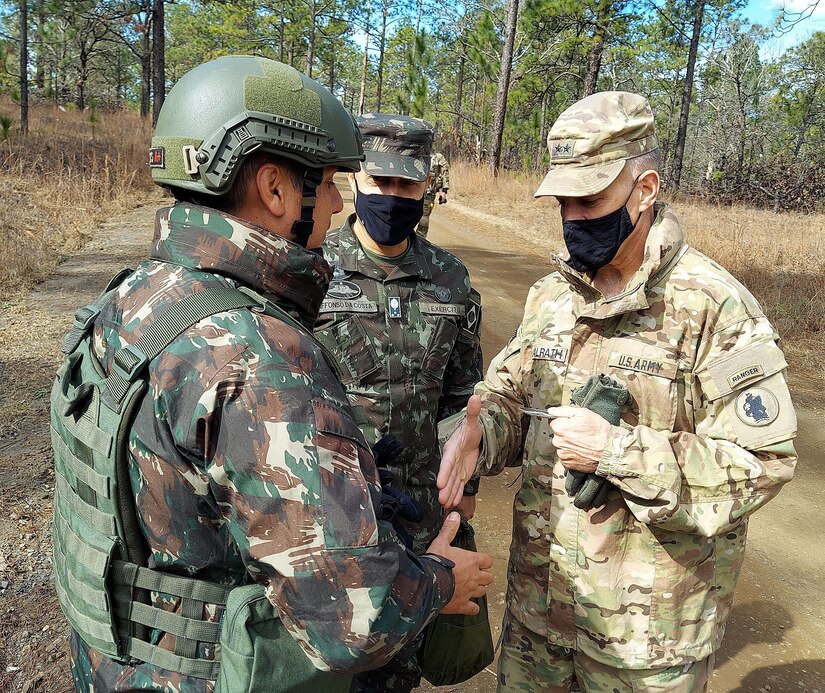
(302, 228)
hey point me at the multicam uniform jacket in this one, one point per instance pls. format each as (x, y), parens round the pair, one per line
(409, 348)
(646, 580)
(246, 463)
(440, 170)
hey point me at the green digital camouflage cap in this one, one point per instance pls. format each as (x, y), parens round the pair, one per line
(591, 141)
(396, 145)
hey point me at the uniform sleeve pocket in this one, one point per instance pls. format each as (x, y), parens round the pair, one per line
(347, 511)
(749, 390)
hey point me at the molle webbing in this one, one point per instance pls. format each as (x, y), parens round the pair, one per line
(99, 551)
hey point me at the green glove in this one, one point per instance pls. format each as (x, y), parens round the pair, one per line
(606, 397)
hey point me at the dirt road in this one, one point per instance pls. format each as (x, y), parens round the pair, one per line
(775, 637)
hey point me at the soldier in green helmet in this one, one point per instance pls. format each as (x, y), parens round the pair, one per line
(218, 511)
(628, 593)
(402, 319)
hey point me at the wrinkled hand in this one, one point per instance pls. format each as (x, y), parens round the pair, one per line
(460, 456)
(471, 571)
(579, 436)
(467, 507)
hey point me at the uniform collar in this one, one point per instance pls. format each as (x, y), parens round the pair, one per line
(352, 258)
(664, 246)
(205, 239)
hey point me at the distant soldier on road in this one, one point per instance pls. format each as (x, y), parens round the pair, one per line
(221, 532)
(403, 321)
(437, 188)
(628, 594)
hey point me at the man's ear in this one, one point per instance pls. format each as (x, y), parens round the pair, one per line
(351, 181)
(275, 189)
(649, 184)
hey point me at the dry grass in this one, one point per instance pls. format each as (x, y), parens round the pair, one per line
(72, 171)
(779, 257)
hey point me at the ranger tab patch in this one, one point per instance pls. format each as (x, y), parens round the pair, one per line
(745, 375)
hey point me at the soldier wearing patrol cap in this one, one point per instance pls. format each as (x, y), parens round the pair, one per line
(403, 321)
(629, 593)
(218, 517)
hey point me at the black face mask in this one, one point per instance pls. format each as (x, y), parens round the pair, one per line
(593, 243)
(388, 219)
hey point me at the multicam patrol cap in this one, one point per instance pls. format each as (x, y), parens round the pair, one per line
(591, 141)
(396, 145)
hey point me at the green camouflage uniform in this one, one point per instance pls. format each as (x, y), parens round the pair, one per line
(440, 183)
(246, 463)
(405, 332)
(405, 373)
(646, 581)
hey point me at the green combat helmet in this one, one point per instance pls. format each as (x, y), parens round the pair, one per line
(222, 111)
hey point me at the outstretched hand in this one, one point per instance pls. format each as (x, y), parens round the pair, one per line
(460, 456)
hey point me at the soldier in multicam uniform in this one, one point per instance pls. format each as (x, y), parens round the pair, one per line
(403, 321)
(631, 595)
(246, 464)
(438, 186)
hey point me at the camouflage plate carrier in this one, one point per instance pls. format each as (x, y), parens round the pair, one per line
(99, 555)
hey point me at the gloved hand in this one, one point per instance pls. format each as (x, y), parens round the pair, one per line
(394, 503)
(387, 450)
(442, 197)
(606, 397)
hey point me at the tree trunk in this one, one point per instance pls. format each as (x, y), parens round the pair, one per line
(503, 86)
(313, 14)
(281, 32)
(594, 55)
(381, 46)
(146, 68)
(681, 134)
(362, 98)
(158, 59)
(24, 67)
(459, 97)
(542, 131)
(40, 64)
(806, 123)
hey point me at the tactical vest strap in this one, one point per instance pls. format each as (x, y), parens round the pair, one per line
(130, 362)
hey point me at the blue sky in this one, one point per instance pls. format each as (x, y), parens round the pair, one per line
(765, 12)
